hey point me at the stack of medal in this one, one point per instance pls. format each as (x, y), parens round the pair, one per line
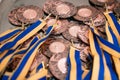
(84, 45)
(19, 46)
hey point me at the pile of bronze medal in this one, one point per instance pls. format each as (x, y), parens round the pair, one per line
(73, 23)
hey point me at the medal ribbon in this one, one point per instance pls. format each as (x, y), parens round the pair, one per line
(108, 70)
(11, 53)
(6, 76)
(39, 73)
(112, 38)
(98, 65)
(87, 75)
(74, 65)
(9, 34)
(26, 34)
(112, 49)
(23, 67)
(23, 50)
(115, 26)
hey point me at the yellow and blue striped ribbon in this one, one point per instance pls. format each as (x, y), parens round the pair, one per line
(23, 50)
(115, 26)
(98, 65)
(112, 38)
(39, 73)
(26, 34)
(109, 73)
(87, 75)
(9, 34)
(6, 53)
(4, 42)
(112, 74)
(23, 67)
(112, 49)
(108, 70)
(108, 50)
(6, 76)
(39, 76)
(11, 54)
(74, 65)
(3, 54)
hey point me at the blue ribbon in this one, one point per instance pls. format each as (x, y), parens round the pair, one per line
(117, 25)
(77, 67)
(21, 51)
(7, 36)
(20, 36)
(29, 53)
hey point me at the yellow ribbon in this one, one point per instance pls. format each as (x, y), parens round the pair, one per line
(112, 25)
(115, 59)
(96, 60)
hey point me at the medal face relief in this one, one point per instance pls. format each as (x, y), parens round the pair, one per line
(58, 65)
(85, 13)
(55, 46)
(71, 32)
(29, 14)
(48, 5)
(63, 9)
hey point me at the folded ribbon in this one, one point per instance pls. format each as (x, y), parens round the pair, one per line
(23, 67)
(26, 34)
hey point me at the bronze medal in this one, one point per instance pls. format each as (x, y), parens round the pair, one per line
(63, 9)
(39, 59)
(83, 34)
(55, 46)
(85, 13)
(45, 47)
(86, 58)
(48, 4)
(29, 14)
(98, 21)
(102, 2)
(61, 25)
(72, 31)
(102, 5)
(12, 17)
(58, 65)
